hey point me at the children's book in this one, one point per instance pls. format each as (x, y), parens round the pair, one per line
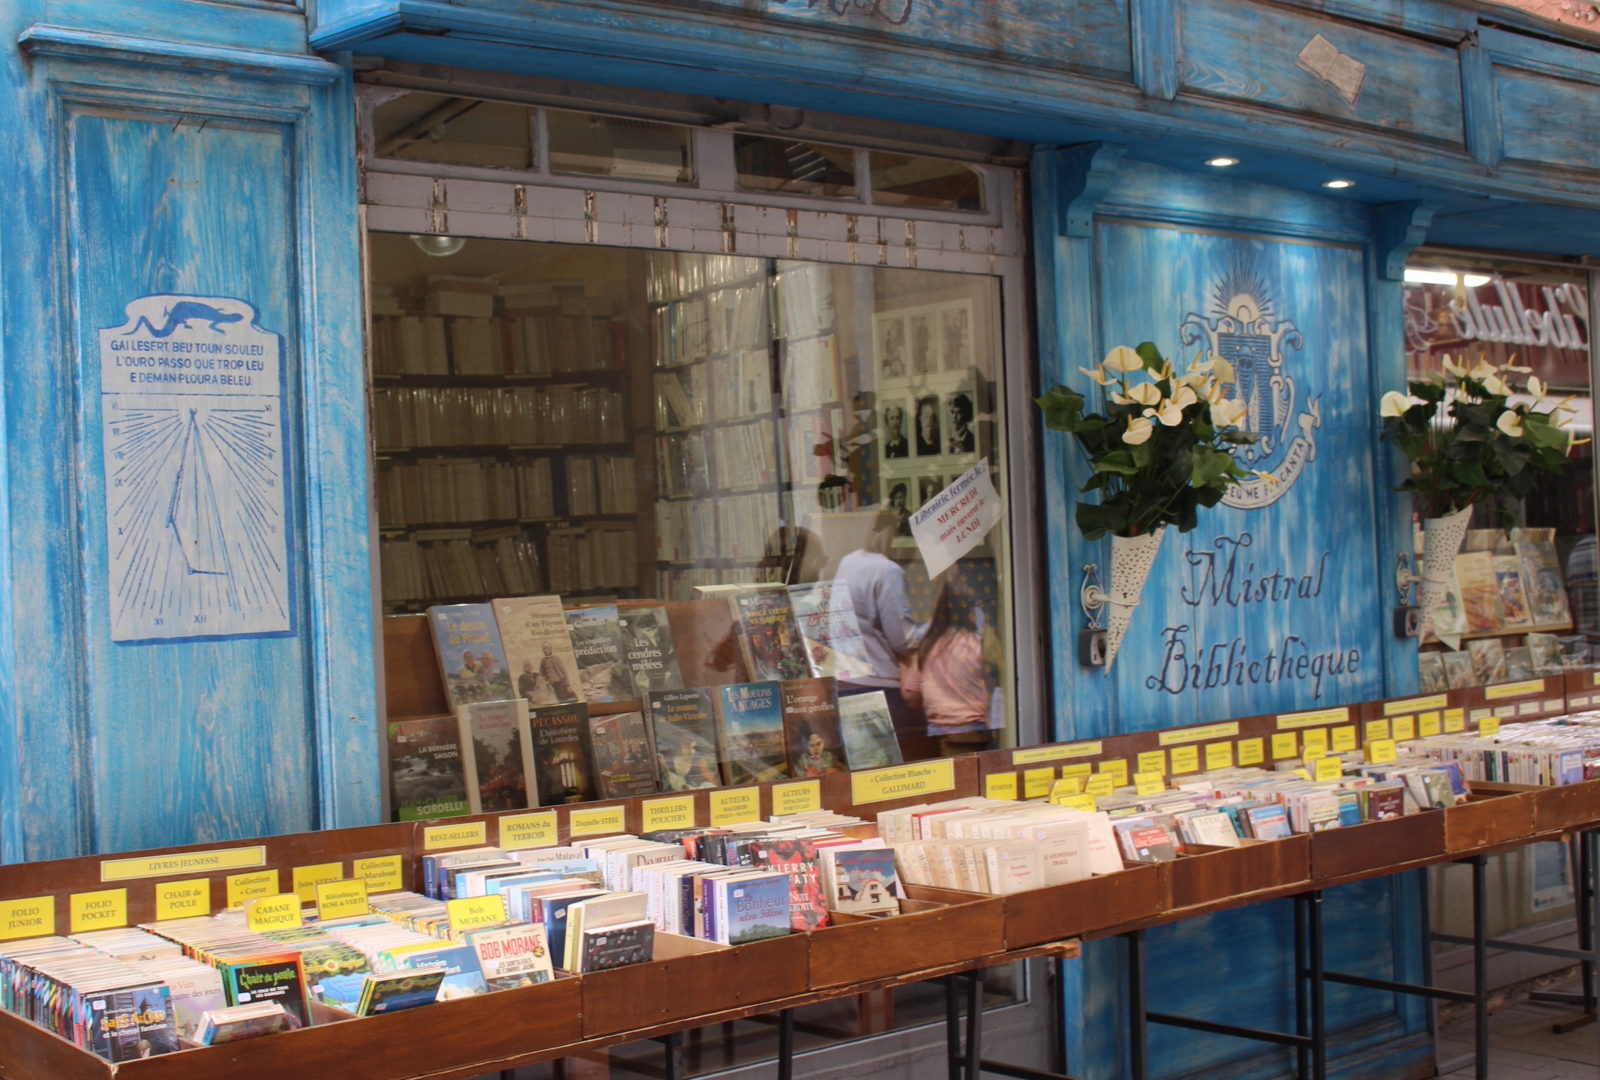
(750, 732)
(1488, 660)
(499, 765)
(268, 978)
(1546, 653)
(811, 727)
(1458, 673)
(427, 770)
(1519, 663)
(512, 956)
(234, 1023)
(559, 737)
(597, 647)
(624, 760)
(867, 728)
(1513, 596)
(1430, 673)
(828, 625)
(1547, 595)
(683, 724)
(1479, 591)
(394, 991)
(648, 650)
(538, 647)
(769, 640)
(471, 657)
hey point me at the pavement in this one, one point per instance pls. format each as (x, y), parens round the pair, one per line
(1522, 1045)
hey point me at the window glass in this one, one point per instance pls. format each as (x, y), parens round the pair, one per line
(1522, 605)
(587, 144)
(631, 426)
(454, 131)
(794, 168)
(924, 183)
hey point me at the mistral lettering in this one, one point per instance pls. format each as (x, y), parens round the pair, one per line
(1226, 577)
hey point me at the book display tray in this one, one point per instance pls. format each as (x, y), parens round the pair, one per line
(692, 983)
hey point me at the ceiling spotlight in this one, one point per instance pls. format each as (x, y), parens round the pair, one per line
(439, 246)
(1338, 185)
(1222, 162)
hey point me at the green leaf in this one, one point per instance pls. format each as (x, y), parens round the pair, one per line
(1153, 360)
(1120, 462)
(1062, 407)
(1209, 467)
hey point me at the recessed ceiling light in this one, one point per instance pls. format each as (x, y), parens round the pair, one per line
(439, 246)
(1338, 185)
(1222, 162)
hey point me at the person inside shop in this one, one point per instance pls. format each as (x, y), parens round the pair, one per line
(949, 678)
(882, 605)
(895, 443)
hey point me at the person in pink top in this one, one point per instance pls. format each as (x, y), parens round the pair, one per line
(947, 676)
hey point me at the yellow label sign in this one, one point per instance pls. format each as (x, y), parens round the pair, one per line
(1001, 785)
(183, 899)
(735, 806)
(1153, 761)
(1381, 751)
(384, 873)
(1199, 734)
(188, 862)
(307, 878)
(1117, 769)
(1416, 704)
(1596, 678)
(1099, 784)
(341, 899)
(1285, 744)
(1149, 783)
(1315, 718)
(675, 813)
(242, 887)
(1068, 785)
(1343, 738)
(800, 797)
(903, 781)
(1314, 739)
(1036, 782)
(1377, 730)
(1488, 727)
(280, 912)
(1252, 751)
(524, 831)
(471, 912)
(443, 837)
(33, 917)
(1513, 689)
(1455, 720)
(1313, 756)
(1076, 802)
(596, 820)
(1033, 755)
(103, 910)
(1428, 724)
(1185, 759)
(1219, 755)
(1405, 728)
(1077, 768)
(1329, 768)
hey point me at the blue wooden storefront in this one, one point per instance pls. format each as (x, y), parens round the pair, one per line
(206, 148)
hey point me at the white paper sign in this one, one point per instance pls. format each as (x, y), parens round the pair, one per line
(192, 430)
(957, 519)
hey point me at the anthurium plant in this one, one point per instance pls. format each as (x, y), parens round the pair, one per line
(1163, 447)
(1469, 440)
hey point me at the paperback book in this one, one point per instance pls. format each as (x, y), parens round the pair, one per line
(811, 727)
(867, 728)
(597, 648)
(624, 762)
(499, 766)
(538, 649)
(471, 657)
(769, 640)
(427, 770)
(1513, 597)
(828, 625)
(512, 956)
(647, 649)
(559, 738)
(1547, 595)
(684, 726)
(750, 730)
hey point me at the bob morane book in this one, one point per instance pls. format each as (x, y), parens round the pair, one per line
(472, 661)
(685, 733)
(624, 764)
(559, 737)
(648, 650)
(538, 650)
(597, 646)
(427, 773)
(750, 723)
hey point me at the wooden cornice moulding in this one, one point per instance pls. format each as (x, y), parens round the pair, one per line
(43, 39)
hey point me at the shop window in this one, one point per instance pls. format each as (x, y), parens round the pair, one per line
(1524, 604)
(794, 168)
(454, 131)
(588, 144)
(924, 183)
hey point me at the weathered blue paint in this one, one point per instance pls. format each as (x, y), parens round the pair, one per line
(218, 165)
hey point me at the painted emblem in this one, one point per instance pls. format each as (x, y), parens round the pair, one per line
(1242, 328)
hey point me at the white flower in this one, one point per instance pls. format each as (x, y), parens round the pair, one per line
(1510, 423)
(1223, 371)
(1122, 359)
(1228, 412)
(1453, 368)
(1145, 394)
(1496, 386)
(1482, 370)
(1139, 431)
(1098, 376)
(1536, 387)
(1185, 397)
(1170, 414)
(1394, 404)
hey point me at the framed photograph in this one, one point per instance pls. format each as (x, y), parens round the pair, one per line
(955, 336)
(890, 338)
(923, 328)
(927, 427)
(896, 429)
(960, 423)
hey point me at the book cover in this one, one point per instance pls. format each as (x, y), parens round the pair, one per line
(499, 767)
(648, 650)
(683, 724)
(1488, 660)
(1519, 663)
(235, 1023)
(867, 728)
(624, 761)
(750, 731)
(606, 947)
(427, 771)
(539, 652)
(1513, 597)
(769, 639)
(811, 727)
(1458, 674)
(1547, 595)
(559, 737)
(1450, 615)
(133, 1022)
(830, 630)
(597, 648)
(862, 880)
(1546, 653)
(394, 991)
(278, 979)
(1479, 591)
(797, 858)
(463, 977)
(471, 657)
(1430, 673)
(753, 908)
(512, 956)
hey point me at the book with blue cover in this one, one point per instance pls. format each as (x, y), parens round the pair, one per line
(472, 661)
(752, 907)
(597, 645)
(750, 729)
